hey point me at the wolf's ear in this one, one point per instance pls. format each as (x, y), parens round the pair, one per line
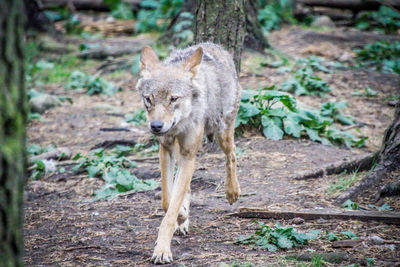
(148, 59)
(193, 62)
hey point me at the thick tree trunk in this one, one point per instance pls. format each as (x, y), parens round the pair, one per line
(388, 160)
(254, 38)
(35, 17)
(221, 22)
(13, 112)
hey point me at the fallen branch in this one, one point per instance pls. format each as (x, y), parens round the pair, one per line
(350, 243)
(386, 217)
(354, 5)
(107, 51)
(357, 163)
(97, 5)
(60, 153)
(112, 143)
(114, 129)
(333, 257)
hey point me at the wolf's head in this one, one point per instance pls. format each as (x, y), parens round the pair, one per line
(167, 91)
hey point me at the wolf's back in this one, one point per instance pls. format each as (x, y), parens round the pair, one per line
(218, 81)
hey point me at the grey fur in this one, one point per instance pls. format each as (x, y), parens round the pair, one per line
(212, 97)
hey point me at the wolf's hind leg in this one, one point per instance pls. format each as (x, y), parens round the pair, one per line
(183, 216)
(227, 143)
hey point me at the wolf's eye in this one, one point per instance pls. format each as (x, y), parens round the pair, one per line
(174, 98)
(147, 99)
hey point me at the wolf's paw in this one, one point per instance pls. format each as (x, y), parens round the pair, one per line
(232, 194)
(162, 254)
(183, 228)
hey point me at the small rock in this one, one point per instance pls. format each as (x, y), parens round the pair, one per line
(44, 102)
(298, 220)
(110, 19)
(323, 21)
(377, 240)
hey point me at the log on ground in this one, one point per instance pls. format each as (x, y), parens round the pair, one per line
(386, 217)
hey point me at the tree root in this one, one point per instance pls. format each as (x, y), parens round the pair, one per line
(357, 163)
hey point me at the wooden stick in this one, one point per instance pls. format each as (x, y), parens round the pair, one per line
(386, 217)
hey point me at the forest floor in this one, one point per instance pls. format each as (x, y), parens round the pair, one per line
(64, 227)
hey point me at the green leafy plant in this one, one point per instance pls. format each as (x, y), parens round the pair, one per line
(272, 15)
(305, 82)
(35, 149)
(38, 170)
(183, 29)
(384, 207)
(349, 234)
(370, 261)
(332, 236)
(343, 183)
(276, 114)
(119, 9)
(278, 237)
(73, 25)
(339, 236)
(381, 55)
(136, 118)
(348, 204)
(331, 109)
(155, 15)
(385, 20)
(112, 168)
(317, 261)
(92, 84)
(367, 92)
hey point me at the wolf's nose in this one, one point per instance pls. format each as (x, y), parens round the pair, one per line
(156, 126)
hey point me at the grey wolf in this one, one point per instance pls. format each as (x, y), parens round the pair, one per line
(194, 91)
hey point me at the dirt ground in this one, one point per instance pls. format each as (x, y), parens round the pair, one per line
(63, 227)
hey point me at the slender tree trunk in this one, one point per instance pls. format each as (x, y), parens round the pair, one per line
(222, 22)
(388, 160)
(13, 112)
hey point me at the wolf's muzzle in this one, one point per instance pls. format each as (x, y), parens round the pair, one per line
(156, 126)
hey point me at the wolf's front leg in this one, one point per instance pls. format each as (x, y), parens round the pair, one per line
(188, 147)
(227, 143)
(167, 166)
(162, 251)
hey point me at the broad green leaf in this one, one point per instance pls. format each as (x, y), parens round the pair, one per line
(249, 110)
(349, 234)
(292, 125)
(93, 170)
(346, 120)
(247, 95)
(284, 242)
(313, 134)
(270, 129)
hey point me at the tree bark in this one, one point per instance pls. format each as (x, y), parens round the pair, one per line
(13, 113)
(388, 160)
(221, 22)
(35, 18)
(254, 38)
